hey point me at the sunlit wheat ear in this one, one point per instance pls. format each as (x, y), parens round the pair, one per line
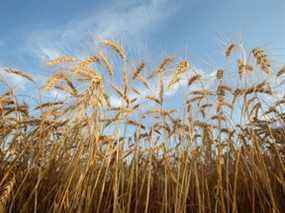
(243, 67)
(220, 102)
(138, 70)
(49, 104)
(262, 60)
(86, 73)
(173, 82)
(224, 88)
(181, 68)
(89, 60)
(6, 99)
(53, 81)
(220, 74)
(229, 49)
(219, 117)
(19, 73)
(6, 190)
(116, 47)
(281, 72)
(202, 92)
(126, 82)
(194, 78)
(263, 87)
(61, 59)
(161, 68)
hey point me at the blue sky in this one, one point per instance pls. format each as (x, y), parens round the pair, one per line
(33, 31)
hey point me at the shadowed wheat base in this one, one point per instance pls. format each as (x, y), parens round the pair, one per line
(223, 151)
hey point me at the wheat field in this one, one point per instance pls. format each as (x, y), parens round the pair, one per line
(220, 149)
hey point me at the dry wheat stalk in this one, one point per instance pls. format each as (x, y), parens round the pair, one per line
(116, 47)
(19, 73)
(161, 91)
(143, 81)
(61, 59)
(152, 98)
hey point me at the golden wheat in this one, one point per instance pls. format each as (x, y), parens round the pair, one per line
(219, 148)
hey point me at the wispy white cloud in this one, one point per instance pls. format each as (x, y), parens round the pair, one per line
(128, 22)
(125, 21)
